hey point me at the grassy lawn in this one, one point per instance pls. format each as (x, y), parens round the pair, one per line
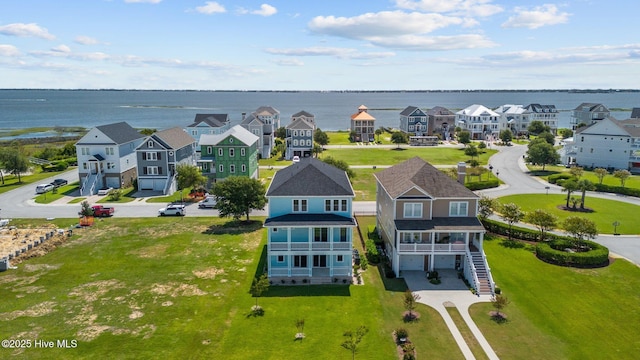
(167, 287)
(385, 156)
(466, 333)
(561, 313)
(605, 212)
(50, 197)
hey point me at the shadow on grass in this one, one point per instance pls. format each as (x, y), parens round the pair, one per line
(410, 319)
(234, 227)
(307, 290)
(391, 284)
(512, 244)
(262, 263)
(543, 172)
(499, 318)
(398, 149)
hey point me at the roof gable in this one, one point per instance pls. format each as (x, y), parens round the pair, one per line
(310, 177)
(174, 138)
(418, 173)
(120, 133)
(210, 120)
(300, 124)
(477, 110)
(238, 132)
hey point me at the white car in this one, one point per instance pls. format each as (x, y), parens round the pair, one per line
(296, 159)
(175, 210)
(104, 191)
(43, 188)
(208, 202)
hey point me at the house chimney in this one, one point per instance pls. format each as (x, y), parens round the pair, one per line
(244, 115)
(462, 172)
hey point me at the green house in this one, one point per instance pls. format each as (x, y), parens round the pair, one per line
(232, 153)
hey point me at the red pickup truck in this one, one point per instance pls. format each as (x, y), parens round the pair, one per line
(102, 211)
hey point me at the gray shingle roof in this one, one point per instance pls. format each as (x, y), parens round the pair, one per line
(120, 133)
(310, 177)
(635, 113)
(418, 173)
(174, 138)
(439, 110)
(300, 124)
(213, 120)
(408, 110)
(302, 113)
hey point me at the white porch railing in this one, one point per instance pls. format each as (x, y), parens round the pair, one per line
(475, 280)
(305, 246)
(432, 247)
(341, 271)
(486, 265)
(301, 272)
(279, 272)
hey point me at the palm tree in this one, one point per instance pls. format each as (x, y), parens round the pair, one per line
(585, 185)
(569, 186)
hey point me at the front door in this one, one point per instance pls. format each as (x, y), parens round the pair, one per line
(426, 262)
(320, 261)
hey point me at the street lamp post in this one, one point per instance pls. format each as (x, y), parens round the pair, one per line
(547, 188)
(615, 227)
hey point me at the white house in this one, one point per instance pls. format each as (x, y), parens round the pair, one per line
(481, 122)
(107, 157)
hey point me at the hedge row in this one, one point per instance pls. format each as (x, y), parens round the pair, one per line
(560, 176)
(479, 185)
(554, 252)
(618, 190)
(55, 166)
(372, 251)
(501, 228)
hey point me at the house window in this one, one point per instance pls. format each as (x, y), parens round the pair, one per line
(308, 133)
(340, 258)
(150, 144)
(209, 150)
(152, 156)
(413, 210)
(308, 142)
(410, 127)
(232, 168)
(343, 234)
(336, 204)
(244, 168)
(111, 165)
(84, 166)
(242, 152)
(220, 151)
(300, 261)
(295, 142)
(295, 132)
(194, 132)
(275, 230)
(299, 205)
(343, 205)
(458, 208)
(220, 168)
(319, 260)
(320, 234)
(232, 152)
(280, 258)
(108, 151)
(152, 170)
(327, 205)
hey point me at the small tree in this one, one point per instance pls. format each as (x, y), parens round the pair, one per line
(353, 339)
(482, 146)
(622, 175)
(189, 176)
(537, 127)
(317, 149)
(499, 302)
(464, 137)
(506, 136)
(281, 132)
(485, 207)
(548, 137)
(542, 153)
(340, 164)
(258, 287)
(321, 137)
(543, 220)
(471, 151)
(85, 209)
(410, 300)
(600, 173)
(398, 137)
(378, 132)
(576, 171)
(15, 162)
(580, 228)
(238, 195)
(566, 133)
(569, 186)
(511, 213)
(300, 328)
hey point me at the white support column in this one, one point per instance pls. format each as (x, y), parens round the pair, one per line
(288, 238)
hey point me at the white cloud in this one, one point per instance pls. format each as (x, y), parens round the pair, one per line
(9, 50)
(211, 7)
(143, 1)
(342, 53)
(61, 49)
(289, 62)
(86, 40)
(385, 23)
(265, 10)
(26, 30)
(481, 8)
(433, 43)
(537, 17)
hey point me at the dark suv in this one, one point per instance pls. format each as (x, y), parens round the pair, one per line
(59, 182)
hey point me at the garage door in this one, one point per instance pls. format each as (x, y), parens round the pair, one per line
(411, 262)
(444, 262)
(145, 184)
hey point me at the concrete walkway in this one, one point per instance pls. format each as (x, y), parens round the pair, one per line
(451, 292)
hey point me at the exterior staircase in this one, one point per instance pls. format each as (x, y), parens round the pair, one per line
(484, 279)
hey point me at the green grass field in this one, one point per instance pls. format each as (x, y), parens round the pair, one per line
(561, 313)
(370, 155)
(605, 212)
(11, 181)
(632, 182)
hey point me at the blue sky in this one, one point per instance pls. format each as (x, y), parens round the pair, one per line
(319, 45)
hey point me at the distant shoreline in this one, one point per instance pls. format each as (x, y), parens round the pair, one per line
(572, 91)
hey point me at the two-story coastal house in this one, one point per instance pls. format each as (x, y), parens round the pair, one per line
(547, 114)
(159, 155)
(210, 124)
(310, 224)
(263, 123)
(607, 143)
(512, 117)
(441, 120)
(232, 153)
(481, 122)
(107, 157)
(363, 125)
(588, 113)
(428, 222)
(414, 121)
(299, 138)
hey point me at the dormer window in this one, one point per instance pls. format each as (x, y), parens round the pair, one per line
(150, 144)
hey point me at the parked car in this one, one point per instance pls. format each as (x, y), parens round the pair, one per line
(172, 209)
(296, 159)
(208, 202)
(102, 211)
(59, 182)
(43, 188)
(105, 191)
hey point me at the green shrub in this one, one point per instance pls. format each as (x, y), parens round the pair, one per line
(401, 333)
(479, 185)
(501, 228)
(618, 190)
(372, 252)
(555, 178)
(364, 263)
(554, 252)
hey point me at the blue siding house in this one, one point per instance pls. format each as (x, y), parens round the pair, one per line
(414, 121)
(310, 224)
